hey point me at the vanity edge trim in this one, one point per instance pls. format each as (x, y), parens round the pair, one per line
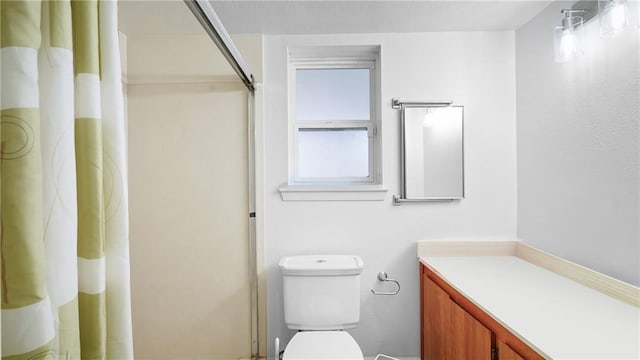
(605, 284)
(467, 248)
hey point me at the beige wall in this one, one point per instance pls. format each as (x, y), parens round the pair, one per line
(187, 125)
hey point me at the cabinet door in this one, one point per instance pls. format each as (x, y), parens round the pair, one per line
(506, 353)
(448, 331)
(436, 321)
(469, 338)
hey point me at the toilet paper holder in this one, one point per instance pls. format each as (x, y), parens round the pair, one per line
(382, 276)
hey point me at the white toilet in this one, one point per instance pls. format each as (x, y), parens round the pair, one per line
(321, 299)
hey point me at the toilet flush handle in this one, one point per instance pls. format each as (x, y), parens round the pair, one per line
(382, 276)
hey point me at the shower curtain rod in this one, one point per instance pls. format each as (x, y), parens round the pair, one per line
(209, 20)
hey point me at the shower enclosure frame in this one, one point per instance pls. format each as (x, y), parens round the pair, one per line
(206, 15)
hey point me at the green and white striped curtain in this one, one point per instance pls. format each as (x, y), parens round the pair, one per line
(64, 230)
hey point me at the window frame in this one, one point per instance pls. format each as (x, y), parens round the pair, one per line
(371, 125)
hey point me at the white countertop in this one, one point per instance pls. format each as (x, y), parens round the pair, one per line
(559, 318)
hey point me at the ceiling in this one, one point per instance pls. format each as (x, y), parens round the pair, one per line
(330, 17)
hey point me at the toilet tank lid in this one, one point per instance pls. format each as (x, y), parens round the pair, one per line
(321, 265)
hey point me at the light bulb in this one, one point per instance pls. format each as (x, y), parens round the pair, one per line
(568, 43)
(568, 37)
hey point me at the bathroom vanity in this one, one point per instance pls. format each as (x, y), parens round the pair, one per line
(506, 300)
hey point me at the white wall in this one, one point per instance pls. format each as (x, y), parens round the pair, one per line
(476, 70)
(578, 181)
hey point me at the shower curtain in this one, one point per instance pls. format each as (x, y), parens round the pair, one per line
(64, 221)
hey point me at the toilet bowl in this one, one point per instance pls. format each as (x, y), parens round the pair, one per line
(321, 295)
(322, 345)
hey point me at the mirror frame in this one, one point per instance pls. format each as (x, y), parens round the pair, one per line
(402, 105)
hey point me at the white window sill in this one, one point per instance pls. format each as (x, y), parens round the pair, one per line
(333, 193)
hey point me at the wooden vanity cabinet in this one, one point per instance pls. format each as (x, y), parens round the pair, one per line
(453, 328)
(506, 353)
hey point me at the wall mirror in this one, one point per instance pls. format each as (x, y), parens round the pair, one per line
(432, 154)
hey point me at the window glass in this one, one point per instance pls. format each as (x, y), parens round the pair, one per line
(332, 94)
(333, 153)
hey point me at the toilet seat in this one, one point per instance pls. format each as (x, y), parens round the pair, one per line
(322, 345)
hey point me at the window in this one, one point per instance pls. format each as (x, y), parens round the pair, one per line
(334, 121)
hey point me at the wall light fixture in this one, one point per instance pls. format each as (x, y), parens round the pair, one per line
(613, 15)
(569, 37)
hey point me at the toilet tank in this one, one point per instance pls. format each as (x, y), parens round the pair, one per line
(321, 292)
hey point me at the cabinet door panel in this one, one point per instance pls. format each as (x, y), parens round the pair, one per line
(436, 319)
(469, 338)
(506, 353)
